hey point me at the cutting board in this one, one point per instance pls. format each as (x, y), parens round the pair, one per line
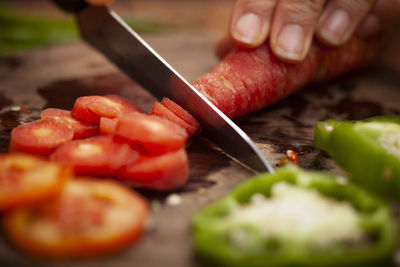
(55, 76)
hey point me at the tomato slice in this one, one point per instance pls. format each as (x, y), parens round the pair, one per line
(152, 132)
(108, 125)
(100, 156)
(91, 108)
(82, 129)
(26, 179)
(40, 137)
(90, 218)
(163, 112)
(159, 172)
(181, 113)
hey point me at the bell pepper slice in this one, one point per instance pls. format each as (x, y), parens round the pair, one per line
(369, 150)
(295, 218)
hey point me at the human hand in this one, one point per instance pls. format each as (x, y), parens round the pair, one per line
(291, 25)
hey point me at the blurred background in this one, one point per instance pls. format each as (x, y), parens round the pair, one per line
(27, 24)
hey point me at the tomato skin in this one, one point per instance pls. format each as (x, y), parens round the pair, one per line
(158, 172)
(84, 221)
(108, 125)
(82, 129)
(26, 180)
(92, 108)
(97, 156)
(163, 112)
(155, 134)
(40, 137)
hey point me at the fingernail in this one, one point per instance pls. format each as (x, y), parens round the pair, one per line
(248, 28)
(336, 26)
(369, 26)
(291, 41)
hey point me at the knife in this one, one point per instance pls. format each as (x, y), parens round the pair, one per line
(108, 33)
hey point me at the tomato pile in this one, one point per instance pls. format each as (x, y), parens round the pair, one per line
(52, 205)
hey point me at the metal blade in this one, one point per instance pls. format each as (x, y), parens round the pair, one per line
(107, 32)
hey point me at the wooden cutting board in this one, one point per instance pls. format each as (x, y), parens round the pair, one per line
(55, 76)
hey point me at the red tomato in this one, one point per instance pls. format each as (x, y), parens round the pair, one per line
(25, 179)
(40, 137)
(91, 108)
(90, 218)
(101, 155)
(152, 132)
(108, 125)
(181, 113)
(82, 129)
(163, 172)
(163, 112)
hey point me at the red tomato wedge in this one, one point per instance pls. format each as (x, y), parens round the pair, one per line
(40, 137)
(101, 155)
(161, 172)
(26, 179)
(163, 112)
(181, 113)
(108, 125)
(155, 134)
(90, 218)
(82, 129)
(91, 108)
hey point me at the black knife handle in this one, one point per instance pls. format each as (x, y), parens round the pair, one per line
(71, 5)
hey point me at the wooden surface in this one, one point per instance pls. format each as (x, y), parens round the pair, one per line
(56, 76)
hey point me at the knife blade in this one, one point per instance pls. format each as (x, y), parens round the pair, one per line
(108, 33)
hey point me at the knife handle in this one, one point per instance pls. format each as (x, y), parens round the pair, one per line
(71, 5)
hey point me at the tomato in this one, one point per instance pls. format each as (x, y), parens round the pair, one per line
(40, 137)
(91, 108)
(159, 172)
(26, 179)
(82, 129)
(181, 113)
(90, 218)
(163, 112)
(101, 155)
(152, 132)
(108, 125)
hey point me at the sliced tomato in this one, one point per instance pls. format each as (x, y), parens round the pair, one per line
(82, 129)
(152, 132)
(181, 113)
(91, 108)
(90, 218)
(101, 155)
(159, 172)
(40, 137)
(26, 179)
(108, 125)
(163, 112)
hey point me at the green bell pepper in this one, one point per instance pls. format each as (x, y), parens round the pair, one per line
(368, 150)
(295, 218)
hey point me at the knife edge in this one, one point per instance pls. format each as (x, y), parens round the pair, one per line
(108, 33)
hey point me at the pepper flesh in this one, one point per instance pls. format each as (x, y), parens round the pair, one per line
(211, 232)
(368, 150)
